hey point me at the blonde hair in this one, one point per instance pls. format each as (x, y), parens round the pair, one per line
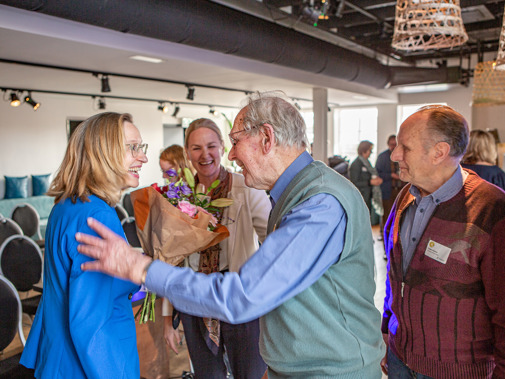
(175, 155)
(94, 159)
(482, 147)
(203, 123)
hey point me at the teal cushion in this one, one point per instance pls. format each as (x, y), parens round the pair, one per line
(40, 184)
(16, 187)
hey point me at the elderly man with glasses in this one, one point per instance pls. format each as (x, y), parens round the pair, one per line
(311, 281)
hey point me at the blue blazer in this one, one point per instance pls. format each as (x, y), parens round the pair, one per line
(84, 326)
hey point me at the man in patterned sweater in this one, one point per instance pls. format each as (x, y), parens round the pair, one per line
(444, 312)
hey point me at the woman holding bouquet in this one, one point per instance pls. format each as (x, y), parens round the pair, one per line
(84, 325)
(246, 220)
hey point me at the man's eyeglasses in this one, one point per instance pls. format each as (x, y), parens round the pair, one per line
(233, 140)
(135, 148)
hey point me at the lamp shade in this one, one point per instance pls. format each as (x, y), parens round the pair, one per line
(488, 85)
(423, 25)
(500, 59)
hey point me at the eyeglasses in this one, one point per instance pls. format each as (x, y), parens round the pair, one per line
(135, 148)
(233, 140)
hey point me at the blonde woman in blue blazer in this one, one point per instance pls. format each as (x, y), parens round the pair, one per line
(84, 326)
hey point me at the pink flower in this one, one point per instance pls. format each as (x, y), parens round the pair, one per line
(187, 208)
(213, 220)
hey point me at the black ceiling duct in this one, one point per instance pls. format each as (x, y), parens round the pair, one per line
(212, 26)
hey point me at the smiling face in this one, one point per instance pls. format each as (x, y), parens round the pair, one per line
(247, 153)
(413, 153)
(204, 150)
(131, 163)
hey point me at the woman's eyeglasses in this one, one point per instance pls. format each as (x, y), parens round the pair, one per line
(135, 148)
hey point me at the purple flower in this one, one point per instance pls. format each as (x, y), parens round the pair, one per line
(185, 190)
(173, 191)
(171, 172)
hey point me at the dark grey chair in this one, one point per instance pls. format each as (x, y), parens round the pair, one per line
(21, 262)
(8, 228)
(10, 314)
(121, 212)
(130, 230)
(27, 217)
(128, 205)
(10, 325)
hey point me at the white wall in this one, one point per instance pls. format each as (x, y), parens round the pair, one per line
(458, 98)
(490, 117)
(386, 125)
(34, 142)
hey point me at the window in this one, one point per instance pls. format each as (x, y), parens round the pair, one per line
(352, 126)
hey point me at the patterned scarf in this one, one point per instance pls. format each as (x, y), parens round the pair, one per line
(209, 259)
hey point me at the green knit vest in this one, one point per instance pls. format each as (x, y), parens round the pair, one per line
(331, 329)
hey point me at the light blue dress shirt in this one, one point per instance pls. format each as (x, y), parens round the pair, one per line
(419, 213)
(308, 241)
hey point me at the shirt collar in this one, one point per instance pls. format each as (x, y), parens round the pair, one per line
(447, 191)
(303, 160)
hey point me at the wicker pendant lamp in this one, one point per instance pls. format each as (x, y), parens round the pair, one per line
(500, 60)
(423, 25)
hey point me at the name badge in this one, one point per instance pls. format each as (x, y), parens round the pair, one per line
(437, 251)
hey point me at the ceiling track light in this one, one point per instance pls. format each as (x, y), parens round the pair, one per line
(191, 93)
(176, 110)
(213, 112)
(101, 103)
(29, 100)
(15, 102)
(104, 80)
(163, 107)
(105, 83)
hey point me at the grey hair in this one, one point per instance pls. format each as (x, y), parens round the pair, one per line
(271, 108)
(444, 124)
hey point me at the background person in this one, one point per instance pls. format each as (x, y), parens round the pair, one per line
(444, 314)
(481, 157)
(173, 157)
(246, 220)
(366, 178)
(84, 324)
(391, 183)
(311, 281)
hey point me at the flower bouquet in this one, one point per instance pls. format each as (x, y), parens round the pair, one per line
(175, 221)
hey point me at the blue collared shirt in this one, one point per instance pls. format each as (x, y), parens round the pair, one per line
(418, 214)
(309, 239)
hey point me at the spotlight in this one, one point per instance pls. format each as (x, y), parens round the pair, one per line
(105, 83)
(311, 14)
(213, 112)
(15, 102)
(101, 103)
(191, 93)
(163, 107)
(28, 99)
(176, 110)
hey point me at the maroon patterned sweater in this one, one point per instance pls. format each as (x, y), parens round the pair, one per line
(448, 320)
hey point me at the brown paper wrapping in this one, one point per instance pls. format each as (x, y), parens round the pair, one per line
(168, 234)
